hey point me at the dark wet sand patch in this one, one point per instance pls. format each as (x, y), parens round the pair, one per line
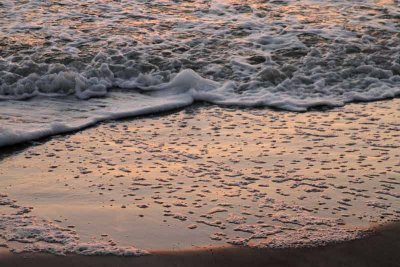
(379, 249)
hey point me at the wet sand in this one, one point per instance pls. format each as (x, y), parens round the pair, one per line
(379, 249)
(205, 176)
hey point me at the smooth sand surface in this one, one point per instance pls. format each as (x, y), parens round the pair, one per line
(380, 249)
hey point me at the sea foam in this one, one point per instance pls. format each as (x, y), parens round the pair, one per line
(292, 56)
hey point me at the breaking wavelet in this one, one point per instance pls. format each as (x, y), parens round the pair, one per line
(68, 65)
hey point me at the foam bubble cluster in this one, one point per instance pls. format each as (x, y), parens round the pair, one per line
(291, 55)
(40, 235)
(310, 50)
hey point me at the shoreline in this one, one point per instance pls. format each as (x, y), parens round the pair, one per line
(10, 149)
(192, 178)
(200, 133)
(137, 182)
(378, 249)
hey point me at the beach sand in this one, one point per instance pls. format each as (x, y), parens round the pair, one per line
(179, 183)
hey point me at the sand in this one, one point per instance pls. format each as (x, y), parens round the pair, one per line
(380, 249)
(206, 176)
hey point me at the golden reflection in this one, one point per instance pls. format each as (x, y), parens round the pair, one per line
(188, 168)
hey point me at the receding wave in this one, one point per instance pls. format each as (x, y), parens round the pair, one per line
(70, 64)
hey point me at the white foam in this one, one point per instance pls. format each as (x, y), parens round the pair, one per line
(18, 132)
(245, 58)
(40, 235)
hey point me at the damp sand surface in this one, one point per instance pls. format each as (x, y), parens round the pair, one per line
(206, 176)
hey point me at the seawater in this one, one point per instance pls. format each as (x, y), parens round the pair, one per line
(68, 64)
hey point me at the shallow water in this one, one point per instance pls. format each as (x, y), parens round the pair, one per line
(143, 57)
(206, 176)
